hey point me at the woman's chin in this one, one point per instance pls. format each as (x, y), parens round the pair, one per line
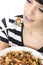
(26, 25)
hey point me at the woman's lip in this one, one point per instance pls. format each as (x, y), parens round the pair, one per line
(28, 20)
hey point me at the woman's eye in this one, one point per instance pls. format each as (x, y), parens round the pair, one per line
(29, 1)
(41, 9)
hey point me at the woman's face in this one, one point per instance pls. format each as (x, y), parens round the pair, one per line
(33, 14)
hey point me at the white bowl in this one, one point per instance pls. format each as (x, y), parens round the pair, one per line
(20, 48)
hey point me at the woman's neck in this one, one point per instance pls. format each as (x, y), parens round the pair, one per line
(38, 31)
(35, 31)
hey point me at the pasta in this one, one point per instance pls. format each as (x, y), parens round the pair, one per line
(18, 21)
(19, 58)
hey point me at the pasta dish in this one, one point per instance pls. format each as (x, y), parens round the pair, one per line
(19, 58)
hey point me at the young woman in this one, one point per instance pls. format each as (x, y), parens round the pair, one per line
(30, 32)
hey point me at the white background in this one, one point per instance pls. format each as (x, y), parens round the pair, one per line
(11, 7)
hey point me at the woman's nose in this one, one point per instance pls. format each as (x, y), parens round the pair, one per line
(32, 10)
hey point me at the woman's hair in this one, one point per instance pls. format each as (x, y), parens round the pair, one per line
(40, 1)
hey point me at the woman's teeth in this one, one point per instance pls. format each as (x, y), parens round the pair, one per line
(29, 20)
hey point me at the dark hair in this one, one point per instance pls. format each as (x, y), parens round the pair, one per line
(40, 1)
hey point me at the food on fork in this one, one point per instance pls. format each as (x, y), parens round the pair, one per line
(18, 21)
